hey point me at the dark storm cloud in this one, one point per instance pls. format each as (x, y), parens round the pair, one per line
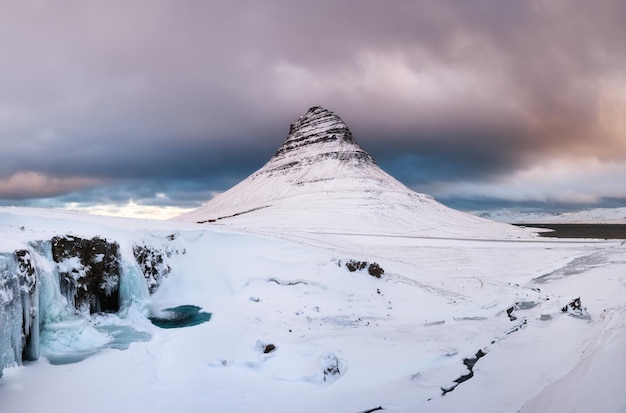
(97, 95)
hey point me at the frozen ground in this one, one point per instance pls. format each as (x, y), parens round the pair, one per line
(346, 341)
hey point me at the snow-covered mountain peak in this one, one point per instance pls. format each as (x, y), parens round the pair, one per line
(320, 179)
(315, 121)
(316, 136)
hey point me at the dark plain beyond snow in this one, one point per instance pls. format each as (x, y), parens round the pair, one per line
(601, 231)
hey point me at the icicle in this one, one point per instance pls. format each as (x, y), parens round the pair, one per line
(134, 294)
(64, 338)
(11, 313)
(19, 312)
(29, 295)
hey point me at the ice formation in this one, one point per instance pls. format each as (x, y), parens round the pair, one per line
(49, 289)
(19, 308)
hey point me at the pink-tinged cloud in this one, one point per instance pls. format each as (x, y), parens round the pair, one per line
(27, 184)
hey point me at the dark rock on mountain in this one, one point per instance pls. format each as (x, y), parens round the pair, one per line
(318, 135)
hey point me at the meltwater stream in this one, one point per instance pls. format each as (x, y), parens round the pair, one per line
(181, 316)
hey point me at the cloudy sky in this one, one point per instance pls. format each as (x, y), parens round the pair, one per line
(151, 107)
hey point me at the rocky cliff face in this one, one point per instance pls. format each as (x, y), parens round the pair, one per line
(318, 135)
(318, 154)
(89, 272)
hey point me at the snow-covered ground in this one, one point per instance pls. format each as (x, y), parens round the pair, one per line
(446, 311)
(590, 216)
(344, 341)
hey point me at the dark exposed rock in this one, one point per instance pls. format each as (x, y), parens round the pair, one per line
(354, 265)
(375, 409)
(26, 271)
(469, 363)
(576, 309)
(316, 128)
(27, 286)
(153, 263)
(228, 216)
(89, 271)
(509, 312)
(330, 366)
(265, 348)
(373, 269)
(573, 305)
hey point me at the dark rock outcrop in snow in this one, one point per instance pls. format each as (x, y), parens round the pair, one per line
(469, 363)
(373, 269)
(576, 309)
(89, 272)
(153, 263)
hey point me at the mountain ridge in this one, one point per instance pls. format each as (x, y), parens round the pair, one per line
(308, 130)
(587, 216)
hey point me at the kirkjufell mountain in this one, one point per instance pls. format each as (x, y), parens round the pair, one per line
(320, 180)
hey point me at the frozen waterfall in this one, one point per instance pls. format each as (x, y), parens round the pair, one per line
(47, 296)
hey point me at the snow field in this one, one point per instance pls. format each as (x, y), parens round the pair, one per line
(347, 341)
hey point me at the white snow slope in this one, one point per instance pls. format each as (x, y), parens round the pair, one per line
(345, 341)
(321, 176)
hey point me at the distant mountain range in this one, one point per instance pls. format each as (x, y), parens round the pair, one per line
(591, 216)
(321, 180)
